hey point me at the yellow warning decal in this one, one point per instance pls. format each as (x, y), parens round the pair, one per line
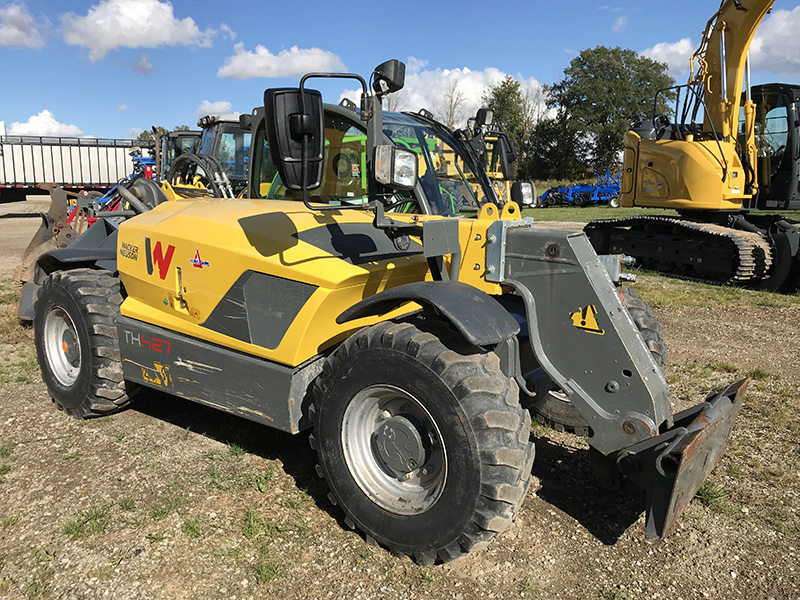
(159, 375)
(584, 318)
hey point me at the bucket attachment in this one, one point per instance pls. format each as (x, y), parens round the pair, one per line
(54, 232)
(673, 465)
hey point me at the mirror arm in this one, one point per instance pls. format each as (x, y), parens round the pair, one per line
(303, 156)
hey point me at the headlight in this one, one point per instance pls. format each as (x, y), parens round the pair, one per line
(522, 193)
(395, 167)
(527, 194)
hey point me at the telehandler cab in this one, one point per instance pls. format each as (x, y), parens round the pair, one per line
(334, 300)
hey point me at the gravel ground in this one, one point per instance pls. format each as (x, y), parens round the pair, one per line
(169, 499)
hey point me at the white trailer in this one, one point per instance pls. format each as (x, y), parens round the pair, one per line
(74, 163)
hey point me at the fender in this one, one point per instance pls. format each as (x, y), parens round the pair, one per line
(73, 258)
(480, 318)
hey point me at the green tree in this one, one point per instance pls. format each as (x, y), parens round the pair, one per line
(149, 135)
(510, 115)
(556, 149)
(602, 90)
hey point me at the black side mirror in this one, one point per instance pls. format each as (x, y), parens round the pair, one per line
(296, 135)
(390, 76)
(507, 156)
(485, 116)
(246, 122)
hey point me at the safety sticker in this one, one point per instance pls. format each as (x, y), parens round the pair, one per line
(198, 262)
(159, 375)
(585, 318)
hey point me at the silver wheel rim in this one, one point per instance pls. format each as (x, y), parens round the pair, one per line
(62, 346)
(365, 418)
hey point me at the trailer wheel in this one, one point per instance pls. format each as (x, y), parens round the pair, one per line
(613, 202)
(554, 407)
(76, 342)
(421, 439)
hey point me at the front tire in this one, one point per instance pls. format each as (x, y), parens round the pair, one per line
(421, 439)
(75, 335)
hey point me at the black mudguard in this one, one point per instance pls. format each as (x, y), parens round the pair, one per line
(481, 319)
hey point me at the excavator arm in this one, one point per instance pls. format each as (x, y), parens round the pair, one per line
(722, 65)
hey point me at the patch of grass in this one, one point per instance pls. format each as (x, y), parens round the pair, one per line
(38, 586)
(217, 478)
(301, 529)
(8, 521)
(6, 450)
(42, 556)
(364, 553)
(192, 527)
(127, 503)
(710, 493)
(427, 576)
(155, 537)
(585, 214)
(266, 571)
(664, 291)
(137, 523)
(256, 527)
(164, 510)
(5, 469)
(260, 482)
(66, 451)
(724, 367)
(236, 450)
(94, 520)
(299, 501)
(735, 471)
(759, 374)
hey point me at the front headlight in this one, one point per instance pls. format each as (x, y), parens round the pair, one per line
(527, 194)
(395, 167)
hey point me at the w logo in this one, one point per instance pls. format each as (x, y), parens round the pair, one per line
(158, 257)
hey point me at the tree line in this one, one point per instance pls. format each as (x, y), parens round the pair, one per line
(575, 127)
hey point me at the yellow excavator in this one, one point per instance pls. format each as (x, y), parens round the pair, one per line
(721, 171)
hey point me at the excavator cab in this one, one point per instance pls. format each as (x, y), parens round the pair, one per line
(777, 138)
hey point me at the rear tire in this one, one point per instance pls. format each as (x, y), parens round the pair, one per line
(75, 335)
(421, 439)
(554, 407)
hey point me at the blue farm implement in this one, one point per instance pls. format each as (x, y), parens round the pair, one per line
(606, 190)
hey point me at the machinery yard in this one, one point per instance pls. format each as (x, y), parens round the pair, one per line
(338, 350)
(169, 499)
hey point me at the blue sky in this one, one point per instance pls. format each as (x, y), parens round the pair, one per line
(110, 68)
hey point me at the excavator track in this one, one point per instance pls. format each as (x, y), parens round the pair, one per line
(687, 249)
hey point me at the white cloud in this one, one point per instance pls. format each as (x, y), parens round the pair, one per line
(415, 65)
(18, 29)
(143, 65)
(776, 46)
(431, 89)
(113, 24)
(133, 133)
(213, 108)
(227, 31)
(122, 108)
(676, 56)
(620, 23)
(44, 124)
(293, 62)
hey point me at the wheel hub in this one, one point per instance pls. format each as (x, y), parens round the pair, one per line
(69, 345)
(400, 445)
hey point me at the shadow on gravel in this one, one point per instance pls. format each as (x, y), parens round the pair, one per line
(568, 483)
(293, 451)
